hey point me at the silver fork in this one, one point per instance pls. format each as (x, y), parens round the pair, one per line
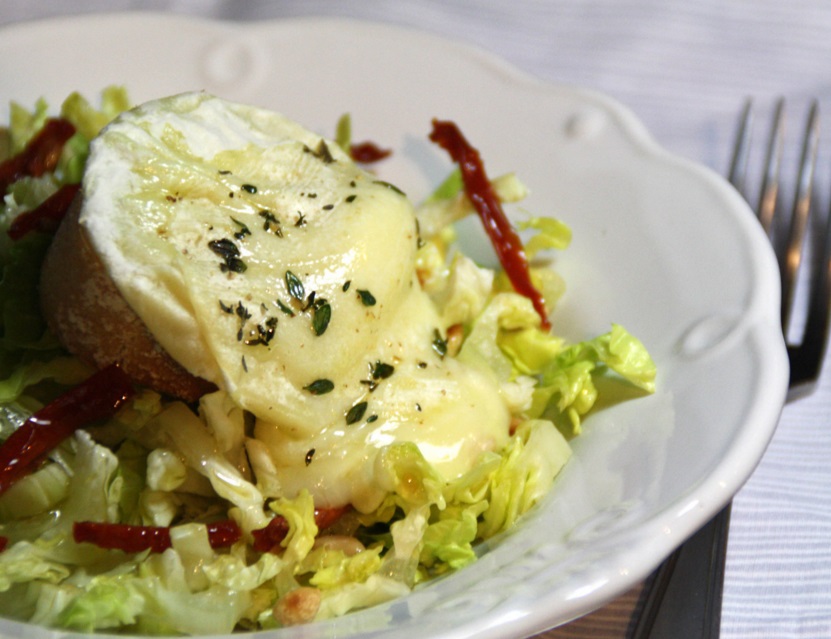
(683, 600)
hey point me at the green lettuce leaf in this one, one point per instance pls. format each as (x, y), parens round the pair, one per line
(449, 539)
(567, 381)
(26, 561)
(89, 120)
(180, 430)
(299, 513)
(343, 132)
(153, 598)
(22, 327)
(25, 123)
(375, 590)
(526, 471)
(551, 234)
(66, 371)
(449, 203)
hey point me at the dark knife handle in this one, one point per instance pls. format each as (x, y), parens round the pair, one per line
(684, 597)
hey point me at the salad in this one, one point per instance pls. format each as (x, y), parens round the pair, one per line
(375, 402)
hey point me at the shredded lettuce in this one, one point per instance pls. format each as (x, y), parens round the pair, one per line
(160, 462)
(552, 234)
(567, 385)
(23, 331)
(89, 120)
(25, 123)
(24, 335)
(343, 132)
(63, 370)
(449, 203)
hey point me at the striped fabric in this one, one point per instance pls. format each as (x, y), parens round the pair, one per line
(684, 66)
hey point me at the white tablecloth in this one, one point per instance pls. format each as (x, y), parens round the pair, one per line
(684, 67)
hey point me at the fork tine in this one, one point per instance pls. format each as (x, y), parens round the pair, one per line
(806, 358)
(769, 192)
(737, 172)
(799, 218)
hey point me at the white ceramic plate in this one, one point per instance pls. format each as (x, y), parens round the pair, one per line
(661, 246)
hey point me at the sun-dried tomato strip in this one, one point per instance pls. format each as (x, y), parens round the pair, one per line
(4, 542)
(131, 539)
(96, 398)
(46, 217)
(122, 536)
(268, 538)
(506, 242)
(222, 534)
(368, 152)
(40, 155)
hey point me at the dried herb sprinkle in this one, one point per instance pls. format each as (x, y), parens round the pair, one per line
(295, 286)
(320, 387)
(230, 254)
(270, 223)
(380, 370)
(439, 344)
(321, 315)
(242, 231)
(356, 413)
(285, 308)
(367, 298)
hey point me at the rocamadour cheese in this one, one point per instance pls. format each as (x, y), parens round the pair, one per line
(262, 259)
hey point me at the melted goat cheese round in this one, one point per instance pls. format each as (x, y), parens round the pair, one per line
(263, 259)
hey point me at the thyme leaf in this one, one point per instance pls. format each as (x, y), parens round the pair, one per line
(295, 286)
(229, 252)
(243, 229)
(285, 308)
(320, 387)
(380, 370)
(439, 344)
(320, 317)
(270, 223)
(322, 152)
(356, 413)
(367, 298)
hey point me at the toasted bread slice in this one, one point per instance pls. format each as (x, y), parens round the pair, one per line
(83, 307)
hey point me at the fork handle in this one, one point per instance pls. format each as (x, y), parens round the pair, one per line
(684, 596)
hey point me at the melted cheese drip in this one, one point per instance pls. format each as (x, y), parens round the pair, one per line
(208, 215)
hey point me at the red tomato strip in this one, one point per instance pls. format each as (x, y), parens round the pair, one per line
(131, 539)
(96, 398)
(368, 152)
(47, 216)
(222, 534)
(122, 536)
(506, 242)
(266, 539)
(40, 155)
(4, 542)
